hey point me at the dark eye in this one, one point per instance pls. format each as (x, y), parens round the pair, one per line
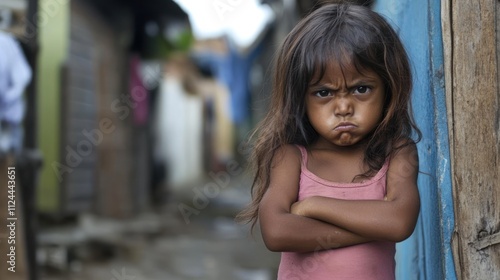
(362, 90)
(323, 93)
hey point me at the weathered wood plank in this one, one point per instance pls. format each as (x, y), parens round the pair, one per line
(471, 52)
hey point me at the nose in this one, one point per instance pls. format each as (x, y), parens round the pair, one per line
(343, 107)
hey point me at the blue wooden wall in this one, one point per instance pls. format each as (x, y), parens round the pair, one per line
(427, 253)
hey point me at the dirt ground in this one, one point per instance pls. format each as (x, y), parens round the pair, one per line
(203, 243)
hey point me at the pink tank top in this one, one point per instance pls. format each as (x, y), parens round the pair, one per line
(368, 261)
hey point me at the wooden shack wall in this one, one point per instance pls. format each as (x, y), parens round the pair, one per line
(471, 32)
(106, 182)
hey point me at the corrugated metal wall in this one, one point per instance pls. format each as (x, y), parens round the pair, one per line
(79, 110)
(98, 61)
(427, 253)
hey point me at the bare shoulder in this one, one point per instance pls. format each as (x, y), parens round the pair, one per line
(283, 182)
(407, 154)
(288, 154)
(403, 168)
(285, 173)
(406, 144)
(402, 187)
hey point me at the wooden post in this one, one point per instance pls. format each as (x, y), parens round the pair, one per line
(472, 89)
(32, 158)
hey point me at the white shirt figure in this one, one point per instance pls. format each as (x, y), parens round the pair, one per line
(15, 74)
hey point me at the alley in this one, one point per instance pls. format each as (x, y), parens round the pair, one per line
(116, 114)
(162, 244)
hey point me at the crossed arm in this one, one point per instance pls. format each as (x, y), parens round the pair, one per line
(318, 223)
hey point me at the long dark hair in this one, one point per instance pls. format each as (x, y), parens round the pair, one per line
(345, 34)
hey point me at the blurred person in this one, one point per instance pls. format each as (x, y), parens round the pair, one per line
(336, 166)
(15, 74)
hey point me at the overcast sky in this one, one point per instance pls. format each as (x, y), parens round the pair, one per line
(241, 20)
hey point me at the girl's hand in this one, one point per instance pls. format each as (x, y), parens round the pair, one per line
(296, 208)
(301, 207)
(284, 229)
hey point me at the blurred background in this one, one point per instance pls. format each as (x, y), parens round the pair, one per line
(123, 129)
(126, 122)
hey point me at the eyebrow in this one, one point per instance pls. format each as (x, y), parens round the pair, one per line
(361, 81)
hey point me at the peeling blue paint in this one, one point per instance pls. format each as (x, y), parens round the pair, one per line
(427, 253)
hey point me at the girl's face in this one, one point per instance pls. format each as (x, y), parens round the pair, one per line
(345, 105)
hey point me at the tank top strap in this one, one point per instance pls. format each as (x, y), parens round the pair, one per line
(303, 152)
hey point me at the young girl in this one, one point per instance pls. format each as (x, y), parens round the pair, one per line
(336, 169)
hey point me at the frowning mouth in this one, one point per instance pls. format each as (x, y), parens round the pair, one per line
(345, 126)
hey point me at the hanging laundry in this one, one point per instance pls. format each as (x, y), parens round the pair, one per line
(15, 74)
(138, 92)
(233, 70)
(179, 125)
